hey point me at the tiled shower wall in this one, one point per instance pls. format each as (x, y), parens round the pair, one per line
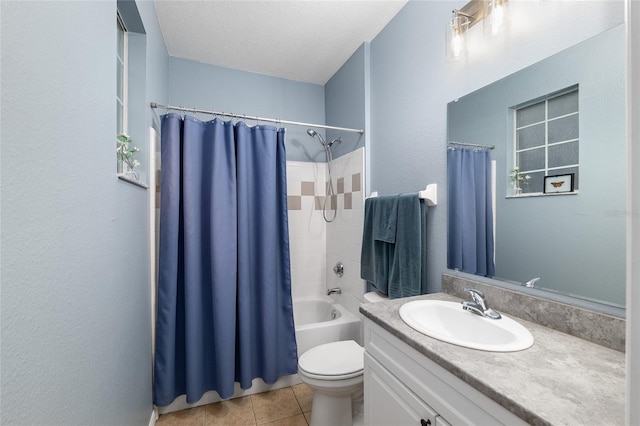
(344, 234)
(307, 230)
(316, 246)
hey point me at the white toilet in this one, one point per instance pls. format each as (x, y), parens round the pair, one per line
(335, 373)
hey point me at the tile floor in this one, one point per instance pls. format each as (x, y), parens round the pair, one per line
(283, 407)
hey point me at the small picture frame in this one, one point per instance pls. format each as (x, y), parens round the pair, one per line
(558, 184)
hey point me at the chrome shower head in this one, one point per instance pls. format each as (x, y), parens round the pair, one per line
(313, 133)
(336, 140)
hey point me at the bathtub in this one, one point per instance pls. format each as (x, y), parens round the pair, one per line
(321, 320)
(317, 320)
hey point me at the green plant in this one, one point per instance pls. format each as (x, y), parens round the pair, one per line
(126, 152)
(518, 179)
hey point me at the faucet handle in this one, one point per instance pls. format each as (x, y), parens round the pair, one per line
(477, 296)
(478, 302)
(532, 282)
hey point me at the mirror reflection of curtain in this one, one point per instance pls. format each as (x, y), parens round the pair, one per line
(224, 286)
(470, 213)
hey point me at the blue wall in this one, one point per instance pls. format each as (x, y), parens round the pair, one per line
(341, 102)
(209, 87)
(565, 240)
(75, 297)
(408, 115)
(345, 96)
(411, 84)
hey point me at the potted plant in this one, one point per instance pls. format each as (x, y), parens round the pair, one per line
(126, 162)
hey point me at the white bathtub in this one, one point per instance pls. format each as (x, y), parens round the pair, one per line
(320, 320)
(317, 320)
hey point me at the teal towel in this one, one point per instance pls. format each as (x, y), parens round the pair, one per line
(385, 217)
(396, 268)
(407, 275)
(367, 253)
(378, 227)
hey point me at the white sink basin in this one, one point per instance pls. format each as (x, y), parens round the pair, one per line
(447, 321)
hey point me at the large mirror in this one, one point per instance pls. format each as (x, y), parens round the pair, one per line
(562, 116)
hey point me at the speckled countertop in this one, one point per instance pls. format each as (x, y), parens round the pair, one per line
(560, 380)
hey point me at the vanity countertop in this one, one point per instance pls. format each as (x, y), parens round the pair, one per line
(560, 380)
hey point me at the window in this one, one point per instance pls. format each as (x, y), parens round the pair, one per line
(121, 65)
(547, 139)
(130, 93)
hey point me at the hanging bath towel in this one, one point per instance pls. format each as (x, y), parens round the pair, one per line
(394, 253)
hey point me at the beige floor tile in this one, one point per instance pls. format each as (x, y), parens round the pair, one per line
(304, 395)
(189, 417)
(307, 417)
(298, 420)
(233, 412)
(274, 405)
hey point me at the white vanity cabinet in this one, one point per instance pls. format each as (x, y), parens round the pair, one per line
(389, 402)
(404, 387)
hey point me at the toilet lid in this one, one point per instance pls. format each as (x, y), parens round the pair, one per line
(333, 359)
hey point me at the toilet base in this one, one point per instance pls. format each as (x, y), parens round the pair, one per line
(332, 409)
(358, 413)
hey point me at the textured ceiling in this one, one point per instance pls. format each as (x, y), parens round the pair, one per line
(298, 40)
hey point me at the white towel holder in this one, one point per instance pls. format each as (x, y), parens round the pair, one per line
(430, 194)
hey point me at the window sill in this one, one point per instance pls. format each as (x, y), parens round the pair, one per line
(541, 194)
(132, 181)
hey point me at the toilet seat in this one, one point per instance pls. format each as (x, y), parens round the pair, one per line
(333, 361)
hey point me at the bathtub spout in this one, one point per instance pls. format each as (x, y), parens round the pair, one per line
(335, 290)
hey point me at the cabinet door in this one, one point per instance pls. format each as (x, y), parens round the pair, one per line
(389, 402)
(441, 422)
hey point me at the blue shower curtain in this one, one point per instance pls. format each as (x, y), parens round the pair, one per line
(470, 246)
(224, 285)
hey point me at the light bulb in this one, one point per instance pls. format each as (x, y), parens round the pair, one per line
(457, 44)
(497, 19)
(456, 35)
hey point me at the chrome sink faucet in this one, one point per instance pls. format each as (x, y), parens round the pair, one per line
(479, 306)
(531, 283)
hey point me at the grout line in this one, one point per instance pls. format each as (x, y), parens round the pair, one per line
(253, 411)
(204, 418)
(296, 398)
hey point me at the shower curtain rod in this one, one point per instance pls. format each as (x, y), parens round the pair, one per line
(255, 118)
(471, 144)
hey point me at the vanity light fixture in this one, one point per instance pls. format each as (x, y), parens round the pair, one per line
(496, 16)
(456, 35)
(493, 13)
